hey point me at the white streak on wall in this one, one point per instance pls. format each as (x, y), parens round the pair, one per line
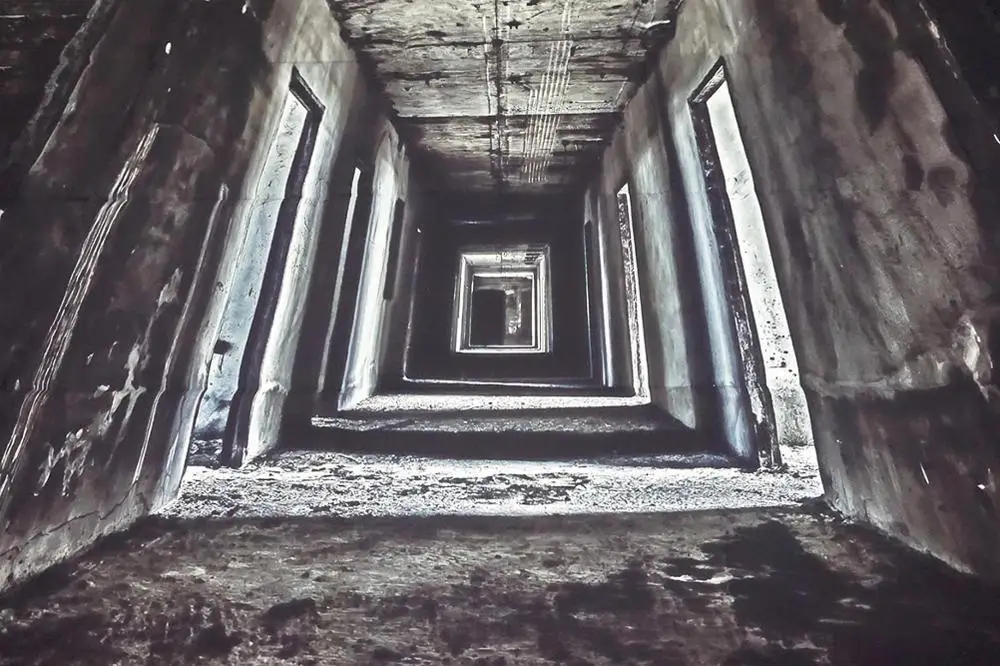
(364, 357)
(781, 368)
(339, 284)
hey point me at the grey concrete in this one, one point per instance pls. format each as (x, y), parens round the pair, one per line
(679, 275)
(517, 94)
(457, 402)
(781, 368)
(702, 589)
(587, 420)
(367, 353)
(252, 248)
(875, 217)
(39, 42)
(120, 230)
(871, 165)
(341, 485)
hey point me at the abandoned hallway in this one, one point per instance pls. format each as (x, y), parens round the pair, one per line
(500, 332)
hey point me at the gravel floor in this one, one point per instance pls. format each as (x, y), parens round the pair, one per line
(777, 587)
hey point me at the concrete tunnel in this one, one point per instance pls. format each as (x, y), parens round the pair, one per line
(499, 331)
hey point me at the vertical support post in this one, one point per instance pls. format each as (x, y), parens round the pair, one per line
(755, 390)
(237, 432)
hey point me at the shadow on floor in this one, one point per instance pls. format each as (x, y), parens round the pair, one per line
(528, 435)
(748, 588)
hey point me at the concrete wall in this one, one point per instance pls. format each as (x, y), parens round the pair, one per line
(780, 366)
(398, 313)
(676, 261)
(251, 239)
(120, 231)
(879, 226)
(328, 68)
(625, 350)
(365, 354)
(41, 47)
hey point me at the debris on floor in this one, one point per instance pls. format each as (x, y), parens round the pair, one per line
(751, 588)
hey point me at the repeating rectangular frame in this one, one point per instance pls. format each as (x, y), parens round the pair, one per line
(531, 261)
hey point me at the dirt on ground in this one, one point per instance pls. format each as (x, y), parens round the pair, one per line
(751, 588)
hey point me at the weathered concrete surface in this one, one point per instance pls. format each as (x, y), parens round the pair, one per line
(367, 353)
(677, 347)
(340, 485)
(881, 228)
(39, 47)
(119, 229)
(108, 231)
(331, 73)
(515, 94)
(767, 588)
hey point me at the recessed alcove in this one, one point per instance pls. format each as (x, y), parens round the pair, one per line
(503, 301)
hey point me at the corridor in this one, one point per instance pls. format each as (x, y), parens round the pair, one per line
(499, 332)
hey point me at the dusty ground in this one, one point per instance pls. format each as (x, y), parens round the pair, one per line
(318, 484)
(782, 588)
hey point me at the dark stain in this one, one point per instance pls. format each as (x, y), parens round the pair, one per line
(791, 596)
(384, 654)
(956, 52)
(279, 614)
(38, 643)
(794, 71)
(627, 591)
(913, 172)
(835, 10)
(868, 31)
(878, 604)
(436, 34)
(938, 432)
(417, 77)
(942, 181)
(34, 45)
(192, 630)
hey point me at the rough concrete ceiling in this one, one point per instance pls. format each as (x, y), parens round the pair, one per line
(505, 94)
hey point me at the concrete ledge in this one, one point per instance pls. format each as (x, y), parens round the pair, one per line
(403, 402)
(333, 484)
